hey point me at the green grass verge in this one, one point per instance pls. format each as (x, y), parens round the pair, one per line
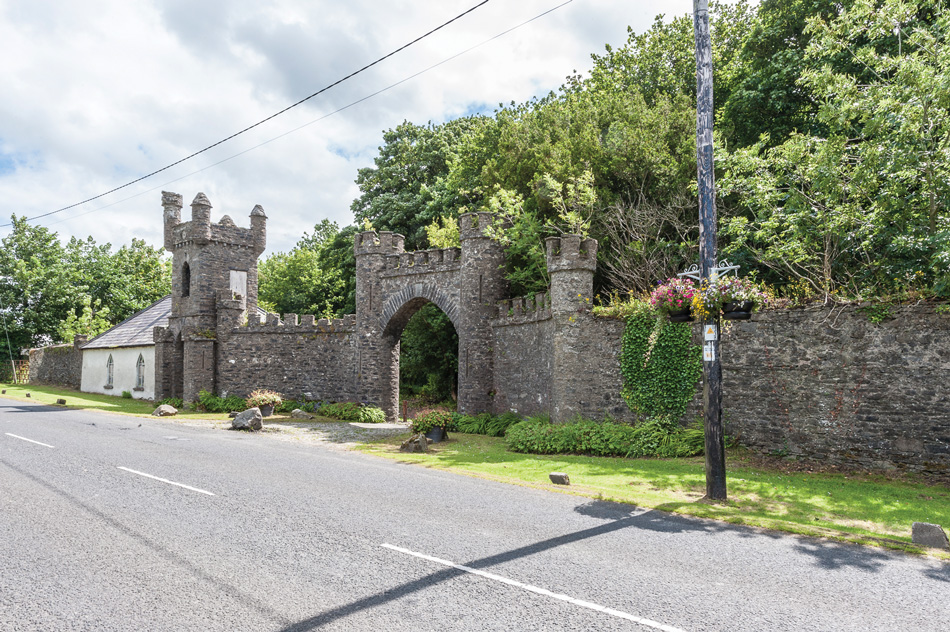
(857, 508)
(112, 403)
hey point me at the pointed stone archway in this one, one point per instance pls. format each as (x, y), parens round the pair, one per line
(391, 285)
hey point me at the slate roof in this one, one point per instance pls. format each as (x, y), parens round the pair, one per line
(136, 330)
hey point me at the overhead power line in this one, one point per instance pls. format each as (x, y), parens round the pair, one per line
(262, 121)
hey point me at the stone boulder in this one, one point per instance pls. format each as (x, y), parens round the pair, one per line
(250, 419)
(296, 413)
(165, 411)
(559, 478)
(932, 535)
(415, 443)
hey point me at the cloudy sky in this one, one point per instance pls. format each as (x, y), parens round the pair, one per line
(101, 92)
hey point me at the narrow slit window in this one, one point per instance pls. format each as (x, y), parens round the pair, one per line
(110, 371)
(185, 280)
(140, 372)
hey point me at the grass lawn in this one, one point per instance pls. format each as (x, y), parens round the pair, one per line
(109, 403)
(859, 508)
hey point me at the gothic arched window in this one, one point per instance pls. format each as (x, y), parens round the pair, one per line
(185, 280)
(110, 371)
(140, 372)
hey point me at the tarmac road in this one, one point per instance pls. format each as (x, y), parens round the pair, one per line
(120, 523)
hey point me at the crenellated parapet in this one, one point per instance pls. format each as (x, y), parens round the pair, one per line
(475, 225)
(523, 309)
(571, 252)
(571, 261)
(202, 231)
(296, 324)
(369, 242)
(422, 261)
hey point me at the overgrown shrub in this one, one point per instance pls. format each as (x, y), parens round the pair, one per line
(289, 405)
(426, 420)
(344, 411)
(126, 394)
(352, 411)
(371, 415)
(211, 403)
(655, 437)
(485, 423)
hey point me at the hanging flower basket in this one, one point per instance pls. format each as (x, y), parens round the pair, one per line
(673, 299)
(741, 310)
(681, 316)
(736, 297)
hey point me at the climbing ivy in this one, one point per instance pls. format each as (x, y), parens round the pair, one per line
(660, 366)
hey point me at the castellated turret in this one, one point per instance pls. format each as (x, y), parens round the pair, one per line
(200, 232)
(571, 261)
(171, 202)
(259, 228)
(213, 264)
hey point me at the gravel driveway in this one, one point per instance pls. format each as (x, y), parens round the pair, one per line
(336, 434)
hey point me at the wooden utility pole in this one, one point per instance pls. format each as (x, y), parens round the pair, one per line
(712, 367)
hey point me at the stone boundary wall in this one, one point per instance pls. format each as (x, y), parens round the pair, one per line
(292, 357)
(820, 383)
(57, 365)
(828, 385)
(524, 361)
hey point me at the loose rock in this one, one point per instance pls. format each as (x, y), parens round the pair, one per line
(296, 413)
(250, 419)
(415, 443)
(61, 402)
(932, 535)
(559, 478)
(165, 411)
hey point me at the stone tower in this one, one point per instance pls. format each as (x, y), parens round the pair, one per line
(212, 266)
(571, 261)
(481, 285)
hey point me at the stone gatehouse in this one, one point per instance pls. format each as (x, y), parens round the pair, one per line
(818, 383)
(511, 351)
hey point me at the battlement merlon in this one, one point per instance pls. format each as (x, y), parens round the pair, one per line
(200, 228)
(369, 242)
(571, 252)
(475, 225)
(172, 203)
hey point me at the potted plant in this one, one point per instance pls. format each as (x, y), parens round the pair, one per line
(736, 297)
(432, 423)
(674, 298)
(264, 400)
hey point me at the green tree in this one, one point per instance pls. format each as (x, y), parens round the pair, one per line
(428, 355)
(405, 191)
(299, 282)
(37, 284)
(868, 199)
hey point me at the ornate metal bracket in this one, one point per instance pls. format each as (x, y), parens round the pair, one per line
(724, 267)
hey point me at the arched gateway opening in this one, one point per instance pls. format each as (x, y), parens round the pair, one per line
(427, 353)
(391, 285)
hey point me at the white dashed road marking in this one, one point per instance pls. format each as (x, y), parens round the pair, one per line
(45, 445)
(163, 480)
(539, 591)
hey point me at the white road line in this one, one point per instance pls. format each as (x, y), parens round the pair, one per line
(45, 445)
(194, 489)
(539, 591)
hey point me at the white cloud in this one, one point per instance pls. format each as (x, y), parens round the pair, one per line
(99, 93)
